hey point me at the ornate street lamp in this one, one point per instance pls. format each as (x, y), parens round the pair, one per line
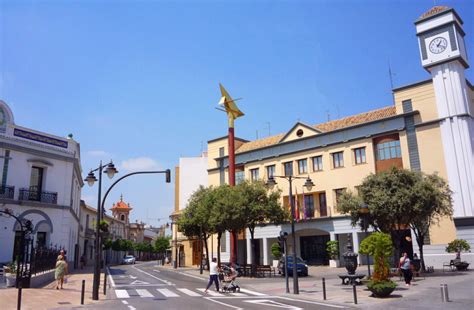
(309, 185)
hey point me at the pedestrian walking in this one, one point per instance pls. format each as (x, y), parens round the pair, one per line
(405, 267)
(60, 272)
(213, 275)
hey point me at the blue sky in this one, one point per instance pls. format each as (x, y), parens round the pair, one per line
(137, 81)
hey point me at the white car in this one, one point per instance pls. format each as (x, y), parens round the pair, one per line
(128, 259)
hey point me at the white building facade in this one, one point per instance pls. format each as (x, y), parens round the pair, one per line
(41, 181)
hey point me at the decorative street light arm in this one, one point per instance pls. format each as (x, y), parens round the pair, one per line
(168, 180)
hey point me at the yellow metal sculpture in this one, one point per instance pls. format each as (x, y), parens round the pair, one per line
(231, 108)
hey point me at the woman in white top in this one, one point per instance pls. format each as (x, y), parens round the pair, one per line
(213, 275)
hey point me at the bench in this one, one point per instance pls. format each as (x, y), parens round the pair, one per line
(263, 269)
(450, 266)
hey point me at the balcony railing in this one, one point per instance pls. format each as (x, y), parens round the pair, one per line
(7, 191)
(40, 196)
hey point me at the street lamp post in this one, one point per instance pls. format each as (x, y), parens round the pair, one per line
(283, 236)
(364, 212)
(110, 170)
(175, 241)
(91, 179)
(309, 185)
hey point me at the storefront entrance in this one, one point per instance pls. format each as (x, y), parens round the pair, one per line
(313, 249)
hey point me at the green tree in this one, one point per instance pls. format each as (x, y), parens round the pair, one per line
(162, 244)
(399, 199)
(432, 201)
(195, 219)
(457, 246)
(259, 206)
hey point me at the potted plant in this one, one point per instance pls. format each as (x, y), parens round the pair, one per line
(457, 246)
(10, 274)
(379, 245)
(103, 226)
(332, 248)
(276, 252)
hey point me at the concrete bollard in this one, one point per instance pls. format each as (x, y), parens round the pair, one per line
(444, 292)
(354, 291)
(324, 288)
(83, 291)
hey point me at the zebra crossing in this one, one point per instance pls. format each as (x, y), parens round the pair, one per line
(179, 292)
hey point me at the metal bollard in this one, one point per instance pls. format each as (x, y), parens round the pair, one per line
(105, 283)
(83, 291)
(445, 293)
(324, 288)
(354, 291)
(18, 305)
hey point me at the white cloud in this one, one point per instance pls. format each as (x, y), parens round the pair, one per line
(98, 153)
(139, 164)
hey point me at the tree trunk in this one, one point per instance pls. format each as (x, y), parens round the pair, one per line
(207, 252)
(420, 240)
(219, 235)
(252, 252)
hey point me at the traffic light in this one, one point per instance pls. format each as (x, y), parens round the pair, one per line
(168, 176)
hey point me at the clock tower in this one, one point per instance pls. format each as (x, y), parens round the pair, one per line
(443, 54)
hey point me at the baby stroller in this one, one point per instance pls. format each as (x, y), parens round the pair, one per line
(227, 278)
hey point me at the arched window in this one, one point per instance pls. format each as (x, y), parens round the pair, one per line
(122, 217)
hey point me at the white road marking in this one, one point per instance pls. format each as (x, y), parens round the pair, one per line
(132, 277)
(243, 290)
(125, 302)
(311, 302)
(122, 294)
(272, 303)
(155, 270)
(138, 282)
(189, 292)
(166, 292)
(132, 307)
(144, 285)
(211, 293)
(144, 293)
(111, 279)
(155, 277)
(239, 295)
(222, 303)
(192, 276)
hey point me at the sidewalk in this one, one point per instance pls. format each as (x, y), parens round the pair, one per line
(48, 297)
(423, 294)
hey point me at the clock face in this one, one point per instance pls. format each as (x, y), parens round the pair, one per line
(438, 45)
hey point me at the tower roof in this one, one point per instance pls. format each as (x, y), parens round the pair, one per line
(433, 11)
(121, 205)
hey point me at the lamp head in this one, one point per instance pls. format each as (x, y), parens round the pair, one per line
(91, 179)
(309, 184)
(271, 182)
(110, 170)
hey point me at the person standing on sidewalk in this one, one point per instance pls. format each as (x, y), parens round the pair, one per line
(60, 272)
(405, 267)
(213, 275)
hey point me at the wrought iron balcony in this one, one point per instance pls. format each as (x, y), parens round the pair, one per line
(39, 196)
(7, 191)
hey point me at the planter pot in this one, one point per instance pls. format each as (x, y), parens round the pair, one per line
(10, 279)
(381, 290)
(334, 263)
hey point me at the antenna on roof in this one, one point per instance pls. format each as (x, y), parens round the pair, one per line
(329, 115)
(269, 131)
(390, 74)
(256, 134)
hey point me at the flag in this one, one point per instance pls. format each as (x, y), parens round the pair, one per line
(297, 209)
(304, 206)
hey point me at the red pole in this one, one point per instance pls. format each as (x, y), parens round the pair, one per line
(231, 140)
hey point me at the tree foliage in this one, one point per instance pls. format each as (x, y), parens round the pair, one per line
(399, 199)
(378, 245)
(458, 246)
(162, 244)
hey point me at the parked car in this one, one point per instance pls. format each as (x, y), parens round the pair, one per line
(301, 266)
(128, 259)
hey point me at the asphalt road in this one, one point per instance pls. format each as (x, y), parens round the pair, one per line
(147, 286)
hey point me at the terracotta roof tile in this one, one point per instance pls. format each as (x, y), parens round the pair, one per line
(324, 127)
(434, 10)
